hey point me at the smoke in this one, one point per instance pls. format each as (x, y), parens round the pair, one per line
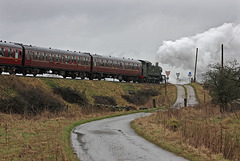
(181, 53)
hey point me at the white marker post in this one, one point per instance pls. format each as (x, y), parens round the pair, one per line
(190, 75)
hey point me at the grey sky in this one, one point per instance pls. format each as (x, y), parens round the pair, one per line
(129, 28)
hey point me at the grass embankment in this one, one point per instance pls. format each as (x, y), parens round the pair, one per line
(201, 93)
(197, 133)
(43, 133)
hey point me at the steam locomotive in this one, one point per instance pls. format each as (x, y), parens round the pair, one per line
(28, 59)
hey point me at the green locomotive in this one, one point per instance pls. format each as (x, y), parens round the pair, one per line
(151, 73)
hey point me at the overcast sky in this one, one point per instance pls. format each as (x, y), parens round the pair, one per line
(129, 28)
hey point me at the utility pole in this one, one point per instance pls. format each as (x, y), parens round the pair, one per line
(222, 55)
(195, 70)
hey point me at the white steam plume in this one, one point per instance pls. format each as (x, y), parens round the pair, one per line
(181, 53)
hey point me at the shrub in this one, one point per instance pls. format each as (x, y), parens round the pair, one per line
(140, 97)
(72, 96)
(31, 101)
(105, 100)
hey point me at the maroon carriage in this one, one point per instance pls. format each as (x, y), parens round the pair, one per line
(111, 67)
(66, 63)
(10, 57)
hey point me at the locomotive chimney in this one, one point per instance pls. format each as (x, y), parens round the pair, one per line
(156, 64)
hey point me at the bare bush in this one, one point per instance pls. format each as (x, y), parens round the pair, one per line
(72, 96)
(140, 97)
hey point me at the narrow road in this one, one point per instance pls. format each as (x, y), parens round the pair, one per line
(114, 140)
(191, 96)
(180, 97)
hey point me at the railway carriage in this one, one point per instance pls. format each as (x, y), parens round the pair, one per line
(111, 67)
(10, 57)
(66, 63)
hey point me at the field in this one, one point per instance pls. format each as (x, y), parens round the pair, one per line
(197, 133)
(41, 130)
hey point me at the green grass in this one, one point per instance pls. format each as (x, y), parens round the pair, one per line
(186, 94)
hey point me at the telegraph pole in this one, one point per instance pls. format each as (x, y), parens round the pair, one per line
(195, 70)
(222, 55)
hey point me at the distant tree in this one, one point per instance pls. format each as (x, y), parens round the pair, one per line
(224, 83)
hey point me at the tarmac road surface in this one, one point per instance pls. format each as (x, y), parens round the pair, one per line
(113, 139)
(180, 97)
(191, 96)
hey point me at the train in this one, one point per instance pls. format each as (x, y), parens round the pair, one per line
(18, 58)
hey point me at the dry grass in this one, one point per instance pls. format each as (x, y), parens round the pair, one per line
(37, 138)
(196, 133)
(202, 94)
(43, 136)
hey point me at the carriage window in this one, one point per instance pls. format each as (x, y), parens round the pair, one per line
(38, 56)
(79, 61)
(51, 57)
(117, 64)
(44, 57)
(2, 52)
(67, 59)
(62, 59)
(57, 58)
(35, 55)
(74, 60)
(112, 64)
(32, 55)
(95, 62)
(10, 53)
(106, 63)
(102, 63)
(42, 54)
(28, 55)
(85, 61)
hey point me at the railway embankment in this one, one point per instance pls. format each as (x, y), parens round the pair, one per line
(37, 113)
(197, 133)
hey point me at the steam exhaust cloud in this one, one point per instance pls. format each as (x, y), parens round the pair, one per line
(181, 53)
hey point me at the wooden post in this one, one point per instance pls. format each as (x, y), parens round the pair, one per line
(195, 70)
(222, 55)
(185, 102)
(154, 103)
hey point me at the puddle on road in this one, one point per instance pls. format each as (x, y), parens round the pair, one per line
(104, 132)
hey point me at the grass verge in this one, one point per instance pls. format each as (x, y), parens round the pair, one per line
(197, 133)
(201, 93)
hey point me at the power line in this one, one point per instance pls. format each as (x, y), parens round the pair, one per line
(234, 35)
